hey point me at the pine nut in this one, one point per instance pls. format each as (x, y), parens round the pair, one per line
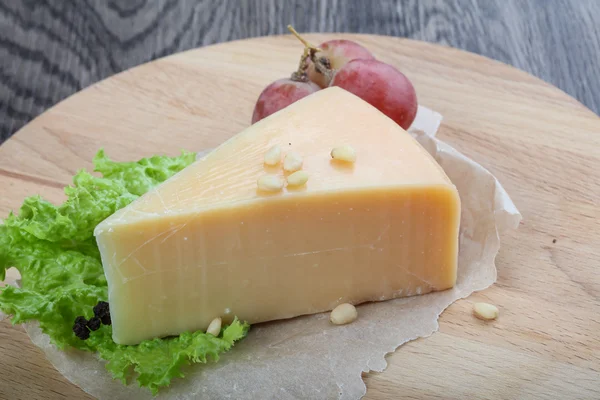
(273, 155)
(485, 311)
(298, 178)
(292, 161)
(215, 327)
(343, 314)
(270, 183)
(344, 153)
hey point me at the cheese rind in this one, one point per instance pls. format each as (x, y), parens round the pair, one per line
(207, 244)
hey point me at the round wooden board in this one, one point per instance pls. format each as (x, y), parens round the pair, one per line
(543, 146)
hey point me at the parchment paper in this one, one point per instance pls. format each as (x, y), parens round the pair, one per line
(309, 358)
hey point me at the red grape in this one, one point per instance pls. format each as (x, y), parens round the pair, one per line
(382, 86)
(281, 94)
(334, 55)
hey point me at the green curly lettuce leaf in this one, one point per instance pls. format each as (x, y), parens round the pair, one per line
(90, 200)
(158, 361)
(54, 249)
(138, 177)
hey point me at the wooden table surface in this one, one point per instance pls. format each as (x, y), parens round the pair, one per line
(542, 145)
(50, 49)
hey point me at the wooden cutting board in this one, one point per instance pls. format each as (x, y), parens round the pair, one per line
(543, 146)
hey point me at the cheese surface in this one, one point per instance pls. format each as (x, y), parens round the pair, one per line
(206, 243)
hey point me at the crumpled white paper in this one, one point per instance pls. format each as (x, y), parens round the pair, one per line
(309, 358)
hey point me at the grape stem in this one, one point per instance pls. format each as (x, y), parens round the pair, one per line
(300, 74)
(300, 38)
(322, 64)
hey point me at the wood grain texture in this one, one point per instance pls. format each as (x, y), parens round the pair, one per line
(542, 144)
(50, 49)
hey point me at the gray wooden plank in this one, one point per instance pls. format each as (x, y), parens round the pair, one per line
(50, 49)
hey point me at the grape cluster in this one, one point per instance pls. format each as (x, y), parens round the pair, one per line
(350, 66)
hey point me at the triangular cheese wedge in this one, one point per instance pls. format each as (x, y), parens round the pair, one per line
(208, 243)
